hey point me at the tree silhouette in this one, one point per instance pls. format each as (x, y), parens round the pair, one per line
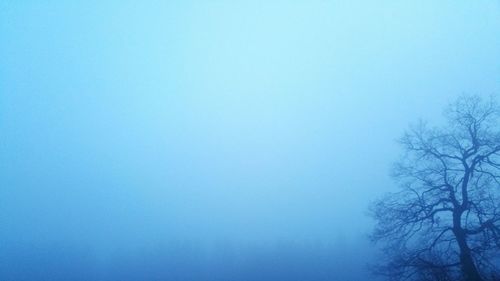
(444, 221)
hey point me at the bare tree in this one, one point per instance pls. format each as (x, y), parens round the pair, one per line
(444, 222)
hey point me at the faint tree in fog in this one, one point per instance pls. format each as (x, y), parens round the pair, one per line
(444, 222)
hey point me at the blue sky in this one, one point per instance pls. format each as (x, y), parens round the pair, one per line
(127, 123)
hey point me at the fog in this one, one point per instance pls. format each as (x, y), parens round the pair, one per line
(217, 140)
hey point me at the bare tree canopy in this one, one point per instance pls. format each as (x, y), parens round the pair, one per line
(444, 222)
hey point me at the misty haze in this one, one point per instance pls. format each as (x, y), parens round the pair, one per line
(245, 140)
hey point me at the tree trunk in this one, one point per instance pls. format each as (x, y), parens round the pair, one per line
(467, 264)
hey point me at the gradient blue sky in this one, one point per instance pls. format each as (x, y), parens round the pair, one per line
(129, 123)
